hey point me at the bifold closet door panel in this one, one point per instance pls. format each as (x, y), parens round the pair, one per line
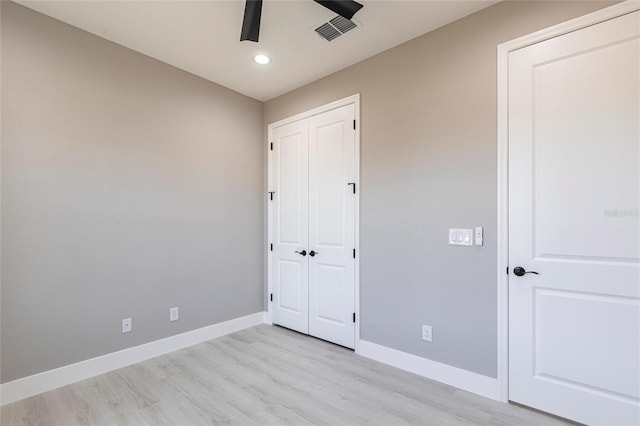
(332, 160)
(290, 227)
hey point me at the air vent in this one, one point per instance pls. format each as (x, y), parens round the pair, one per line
(328, 32)
(335, 28)
(342, 24)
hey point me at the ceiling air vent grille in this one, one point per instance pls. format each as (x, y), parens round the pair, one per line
(335, 28)
(342, 24)
(328, 32)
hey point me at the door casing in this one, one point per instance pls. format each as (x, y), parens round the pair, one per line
(504, 49)
(355, 100)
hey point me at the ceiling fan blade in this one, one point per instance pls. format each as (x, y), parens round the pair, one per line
(251, 21)
(344, 8)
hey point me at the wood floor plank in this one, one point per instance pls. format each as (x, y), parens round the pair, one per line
(264, 375)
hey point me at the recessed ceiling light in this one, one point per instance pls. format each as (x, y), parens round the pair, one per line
(262, 59)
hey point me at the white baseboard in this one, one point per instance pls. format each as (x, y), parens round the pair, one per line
(453, 376)
(52, 379)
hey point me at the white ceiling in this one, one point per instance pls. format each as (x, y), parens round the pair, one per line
(202, 37)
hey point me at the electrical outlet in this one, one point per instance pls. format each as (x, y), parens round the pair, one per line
(174, 314)
(427, 333)
(126, 325)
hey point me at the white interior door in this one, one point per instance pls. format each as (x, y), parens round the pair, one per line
(574, 195)
(332, 157)
(290, 226)
(313, 224)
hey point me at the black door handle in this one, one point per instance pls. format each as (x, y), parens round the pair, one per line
(303, 252)
(312, 253)
(520, 271)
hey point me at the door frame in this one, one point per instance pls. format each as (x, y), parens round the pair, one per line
(355, 100)
(503, 51)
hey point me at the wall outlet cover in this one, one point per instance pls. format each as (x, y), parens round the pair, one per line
(126, 325)
(427, 333)
(174, 314)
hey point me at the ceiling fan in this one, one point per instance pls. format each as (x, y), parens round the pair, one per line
(253, 11)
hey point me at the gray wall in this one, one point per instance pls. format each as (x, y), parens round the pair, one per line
(428, 163)
(128, 187)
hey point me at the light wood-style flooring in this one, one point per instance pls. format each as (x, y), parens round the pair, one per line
(264, 375)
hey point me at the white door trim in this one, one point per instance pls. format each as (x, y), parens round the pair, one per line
(355, 100)
(504, 49)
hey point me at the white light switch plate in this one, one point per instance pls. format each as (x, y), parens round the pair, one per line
(460, 237)
(479, 236)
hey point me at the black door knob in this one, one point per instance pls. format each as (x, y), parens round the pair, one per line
(303, 252)
(312, 253)
(520, 271)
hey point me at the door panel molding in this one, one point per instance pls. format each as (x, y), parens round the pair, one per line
(503, 51)
(351, 100)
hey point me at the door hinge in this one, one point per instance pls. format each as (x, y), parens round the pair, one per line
(354, 253)
(354, 186)
(354, 317)
(354, 124)
(271, 195)
(271, 146)
(271, 247)
(271, 297)
(507, 270)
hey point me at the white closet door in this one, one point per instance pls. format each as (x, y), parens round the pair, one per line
(332, 200)
(574, 195)
(290, 268)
